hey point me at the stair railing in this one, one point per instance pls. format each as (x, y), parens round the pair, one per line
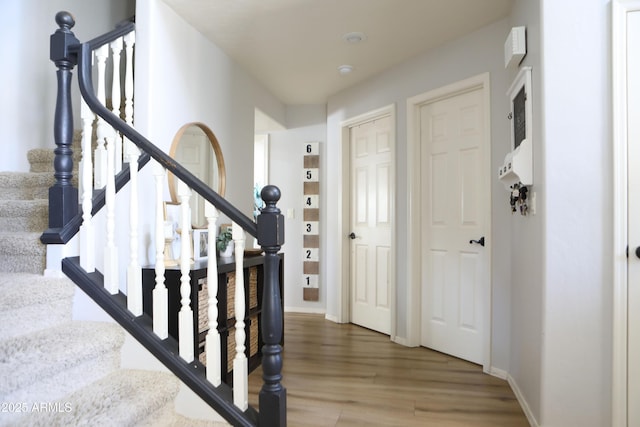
(113, 127)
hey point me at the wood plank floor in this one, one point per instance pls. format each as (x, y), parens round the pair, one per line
(345, 375)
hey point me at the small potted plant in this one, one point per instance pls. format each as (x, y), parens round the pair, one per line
(224, 243)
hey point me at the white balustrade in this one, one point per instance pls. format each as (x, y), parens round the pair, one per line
(107, 164)
(240, 368)
(110, 250)
(129, 43)
(185, 316)
(87, 230)
(100, 157)
(160, 297)
(212, 341)
(116, 97)
(134, 273)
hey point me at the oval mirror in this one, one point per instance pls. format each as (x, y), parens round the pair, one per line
(197, 149)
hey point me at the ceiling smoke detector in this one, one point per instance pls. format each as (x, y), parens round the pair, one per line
(345, 69)
(354, 37)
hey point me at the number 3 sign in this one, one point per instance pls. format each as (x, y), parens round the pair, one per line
(311, 222)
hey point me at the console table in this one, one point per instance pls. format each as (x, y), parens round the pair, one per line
(253, 269)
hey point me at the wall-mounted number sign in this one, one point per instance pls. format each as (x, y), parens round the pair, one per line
(311, 222)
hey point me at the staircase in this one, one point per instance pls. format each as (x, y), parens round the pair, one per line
(57, 371)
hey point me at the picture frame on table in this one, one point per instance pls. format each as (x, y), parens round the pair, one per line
(200, 244)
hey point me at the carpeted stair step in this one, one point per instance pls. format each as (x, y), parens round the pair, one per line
(24, 215)
(120, 399)
(25, 185)
(21, 252)
(32, 302)
(168, 417)
(41, 159)
(47, 365)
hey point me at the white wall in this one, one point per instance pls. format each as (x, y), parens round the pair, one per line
(526, 244)
(29, 89)
(182, 77)
(187, 78)
(474, 54)
(305, 123)
(577, 314)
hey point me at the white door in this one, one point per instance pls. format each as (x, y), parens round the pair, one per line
(455, 199)
(633, 278)
(372, 189)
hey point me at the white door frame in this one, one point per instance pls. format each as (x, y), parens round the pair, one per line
(620, 8)
(344, 295)
(414, 245)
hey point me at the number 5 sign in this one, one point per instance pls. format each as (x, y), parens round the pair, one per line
(311, 221)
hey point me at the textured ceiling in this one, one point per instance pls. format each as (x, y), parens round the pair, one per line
(294, 47)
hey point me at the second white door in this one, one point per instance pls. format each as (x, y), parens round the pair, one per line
(455, 194)
(372, 189)
(633, 202)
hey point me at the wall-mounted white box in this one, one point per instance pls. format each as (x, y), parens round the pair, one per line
(515, 47)
(518, 163)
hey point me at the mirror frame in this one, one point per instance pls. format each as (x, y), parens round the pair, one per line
(217, 152)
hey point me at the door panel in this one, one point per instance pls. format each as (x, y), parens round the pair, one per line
(372, 189)
(633, 284)
(454, 201)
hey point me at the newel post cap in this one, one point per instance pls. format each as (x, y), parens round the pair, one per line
(62, 39)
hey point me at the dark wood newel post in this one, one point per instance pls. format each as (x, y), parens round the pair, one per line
(273, 396)
(63, 197)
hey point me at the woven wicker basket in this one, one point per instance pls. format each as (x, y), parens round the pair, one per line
(253, 287)
(203, 307)
(231, 348)
(231, 294)
(253, 330)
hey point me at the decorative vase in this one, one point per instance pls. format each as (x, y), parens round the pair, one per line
(228, 252)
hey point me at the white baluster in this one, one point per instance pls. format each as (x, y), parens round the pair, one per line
(116, 97)
(87, 230)
(134, 273)
(185, 316)
(110, 250)
(129, 42)
(100, 177)
(160, 298)
(132, 153)
(212, 343)
(240, 369)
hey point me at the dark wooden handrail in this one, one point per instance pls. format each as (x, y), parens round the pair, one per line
(200, 187)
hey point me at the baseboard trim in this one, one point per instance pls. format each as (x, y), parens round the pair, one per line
(332, 318)
(304, 310)
(402, 341)
(523, 402)
(498, 373)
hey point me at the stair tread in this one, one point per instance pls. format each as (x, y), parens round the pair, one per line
(28, 358)
(18, 243)
(25, 202)
(25, 185)
(121, 398)
(14, 179)
(168, 417)
(23, 289)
